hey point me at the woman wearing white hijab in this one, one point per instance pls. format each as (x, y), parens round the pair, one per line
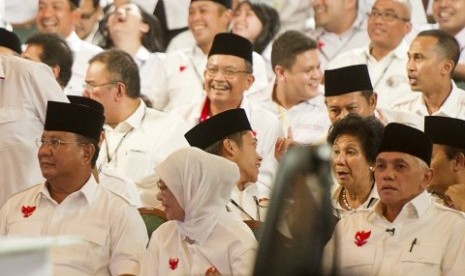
(201, 238)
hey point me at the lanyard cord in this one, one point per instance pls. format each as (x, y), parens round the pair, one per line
(111, 156)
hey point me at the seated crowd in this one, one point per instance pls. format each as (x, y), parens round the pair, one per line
(154, 130)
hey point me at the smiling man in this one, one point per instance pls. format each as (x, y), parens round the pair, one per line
(295, 95)
(227, 75)
(61, 17)
(405, 233)
(181, 80)
(432, 58)
(230, 135)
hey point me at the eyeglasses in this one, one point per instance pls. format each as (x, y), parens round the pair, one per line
(91, 87)
(388, 16)
(54, 142)
(227, 73)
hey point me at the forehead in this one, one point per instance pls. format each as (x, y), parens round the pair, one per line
(66, 2)
(392, 156)
(346, 99)
(33, 52)
(307, 57)
(226, 61)
(57, 134)
(395, 5)
(423, 43)
(347, 139)
(97, 69)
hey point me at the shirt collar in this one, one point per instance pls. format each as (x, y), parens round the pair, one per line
(141, 56)
(414, 209)
(73, 41)
(88, 190)
(134, 120)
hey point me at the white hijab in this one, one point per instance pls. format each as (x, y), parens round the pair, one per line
(202, 184)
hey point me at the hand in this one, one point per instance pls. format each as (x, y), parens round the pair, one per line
(455, 197)
(283, 144)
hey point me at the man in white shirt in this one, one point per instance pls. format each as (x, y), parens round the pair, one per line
(180, 80)
(339, 28)
(295, 95)
(405, 233)
(70, 202)
(432, 58)
(25, 88)
(386, 55)
(61, 17)
(227, 75)
(137, 138)
(230, 135)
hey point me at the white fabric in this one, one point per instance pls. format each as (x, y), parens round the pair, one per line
(453, 106)
(267, 129)
(120, 185)
(181, 41)
(308, 121)
(388, 75)
(176, 12)
(439, 247)
(247, 200)
(293, 13)
(25, 88)
(180, 80)
(82, 52)
(387, 116)
(340, 212)
(113, 233)
(151, 136)
(202, 184)
(17, 12)
(332, 45)
(149, 66)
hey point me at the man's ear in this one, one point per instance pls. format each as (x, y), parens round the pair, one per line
(87, 153)
(459, 162)
(229, 148)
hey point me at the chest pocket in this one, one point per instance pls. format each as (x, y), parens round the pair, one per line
(422, 258)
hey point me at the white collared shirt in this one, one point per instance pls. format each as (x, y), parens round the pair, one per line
(82, 53)
(138, 144)
(113, 234)
(332, 45)
(453, 106)
(388, 75)
(25, 88)
(308, 121)
(424, 239)
(149, 66)
(340, 212)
